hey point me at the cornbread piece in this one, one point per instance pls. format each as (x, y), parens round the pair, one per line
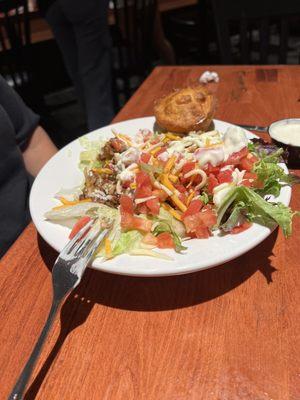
(185, 110)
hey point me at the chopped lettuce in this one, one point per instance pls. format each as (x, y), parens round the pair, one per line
(176, 225)
(257, 209)
(88, 157)
(68, 212)
(153, 169)
(167, 223)
(204, 197)
(127, 241)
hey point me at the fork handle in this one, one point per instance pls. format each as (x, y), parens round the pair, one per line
(20, 386)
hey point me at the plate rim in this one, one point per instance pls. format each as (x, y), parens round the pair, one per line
(264, 233)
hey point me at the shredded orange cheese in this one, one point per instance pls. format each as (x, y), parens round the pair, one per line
(170, 163)
(103, 171)
(173, 178)
(107, 247)
(125, 138)
(155, 151)
(67, 203)
(190, 197)
(171, 136)
(171, 210)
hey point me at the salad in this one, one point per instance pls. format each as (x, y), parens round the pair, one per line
(157, 190)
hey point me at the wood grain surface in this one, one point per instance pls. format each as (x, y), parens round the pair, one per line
(227, 333)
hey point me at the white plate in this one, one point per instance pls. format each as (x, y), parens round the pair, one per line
(62, 171)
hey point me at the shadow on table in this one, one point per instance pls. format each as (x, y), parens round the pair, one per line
(150, 294)
(166, 293)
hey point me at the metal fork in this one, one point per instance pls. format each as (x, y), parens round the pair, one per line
(67, 272)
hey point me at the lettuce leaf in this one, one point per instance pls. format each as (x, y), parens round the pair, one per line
(273, 176)
(258, 210)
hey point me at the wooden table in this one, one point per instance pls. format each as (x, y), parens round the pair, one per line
(227, 333)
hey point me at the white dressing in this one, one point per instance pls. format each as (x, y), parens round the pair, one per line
(234, 140)
(212, 155)
(288, 133)
(220, 193)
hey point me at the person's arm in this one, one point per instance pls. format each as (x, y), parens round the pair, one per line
(38, 151)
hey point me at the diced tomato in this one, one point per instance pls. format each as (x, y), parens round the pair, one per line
(165, 241)
(210, 169)
(252, 158)
(126, 204)
(241, 228)
(212, 182)
(205, 219)
(126, 220)
(142, 208)
(180, 187)
(145, 157)
(142, 178)
(208, 218)
(79, 224)
(191, 222)
(153, 206)
(161, 194)
(202, 232)
(194, 207)
(249, 179)
(187, 167)
(234, 159)
(131, 222)
(246, 164)
(141, 224)
(225, 176)
(143, 191)
(149, 238)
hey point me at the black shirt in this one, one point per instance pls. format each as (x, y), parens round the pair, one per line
(17, 123)
(43, 5)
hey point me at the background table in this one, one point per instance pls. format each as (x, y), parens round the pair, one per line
(228, 333)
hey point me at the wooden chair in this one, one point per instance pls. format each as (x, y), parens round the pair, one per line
(132, 34)
(249, 31)
(16, 51)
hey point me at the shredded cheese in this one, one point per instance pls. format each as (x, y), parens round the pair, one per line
(163, 187)
(171, 136)
(67, 203)
(190, 197)
(103, 171)
(107, 247)
(197, 171)
(170, 163)
(171, 210)
(154, 146)
(155, 151)
(173, 178)
(178, 203)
